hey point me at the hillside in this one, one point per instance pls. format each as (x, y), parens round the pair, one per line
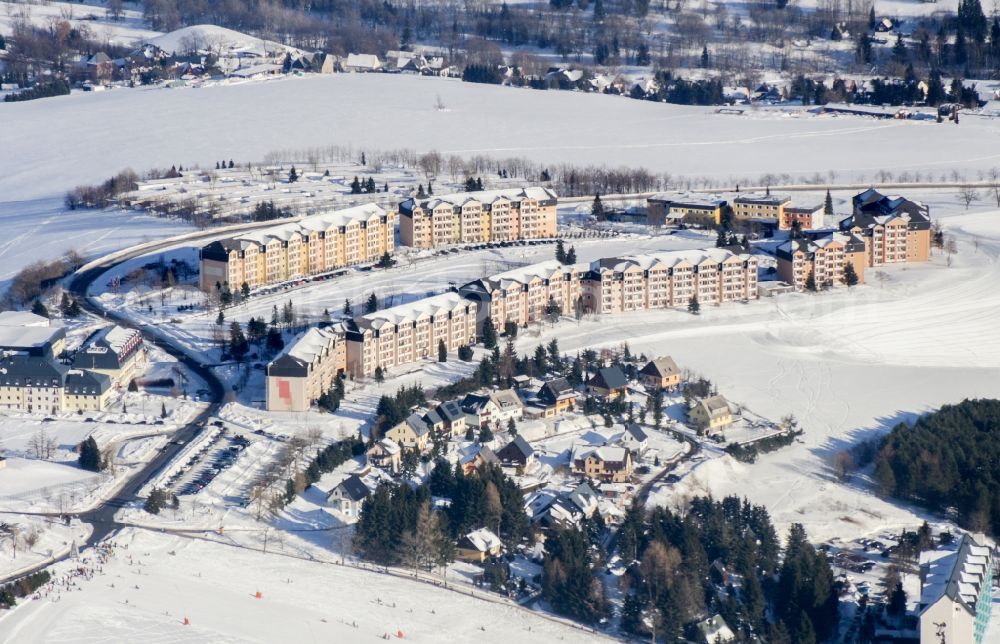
(217, 39)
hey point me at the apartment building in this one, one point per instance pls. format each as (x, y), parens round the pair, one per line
(956, 583)
(297, 378)
(668, 280)
(616, 284)
(895, 230)
(311, 245)
(406, 333)
(761, 208)
(115, 351)
(824, 257)
(521, 295)
(806, 217)
(475, 217)
(672, 208)
(40, 385)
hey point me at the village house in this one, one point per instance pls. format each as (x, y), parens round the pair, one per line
(481, 407)
(349, 495)
(556, 397)
(412, 433)
(711, 414)
(410, 332)
(453, 416)
(634, 439)
(608, 383)
(386, 455)
(477, 457)
(517, 454)
(612, 464)
(315, 244)
(825, 258)
(478, 546)
(307, 369)
(477, 217)
(660, 373)
(361, 63)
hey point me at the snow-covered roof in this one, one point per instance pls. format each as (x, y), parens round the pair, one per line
(304, 226)
(537, 193)
(22, 318)
(957, 571)
(483, 540)
(428, 306)
(366, 61)
(313, 344)
(666, 259)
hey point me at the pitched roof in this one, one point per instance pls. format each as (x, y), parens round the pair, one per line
(555, 390)
(518, 446)
(482, 540)
(608, 378)
(715, 405)
(660, 367)
(636, 432)
(450, 411)
(354, 488)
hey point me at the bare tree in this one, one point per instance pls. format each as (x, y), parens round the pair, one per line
(843, 464)
(994, 176)
(968, 195)
(950, 247)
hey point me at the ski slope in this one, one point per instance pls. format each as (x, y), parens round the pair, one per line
(147, 590)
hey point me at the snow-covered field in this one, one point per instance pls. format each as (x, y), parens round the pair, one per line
(147, 591)
(391, 111)
(129, 28)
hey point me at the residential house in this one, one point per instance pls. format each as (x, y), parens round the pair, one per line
(956, 592)
(482, 408)
(711, 413)
(517, 454)
(715, 630)
(348, 496)
(412, 433)
(508, 404)
(478, 546)
(386, 455)
(453, 416)
(634, 439)
(555, 397)
(477, 457)
(613, 464)
(660, 373)
(608, 383)
(361, 63)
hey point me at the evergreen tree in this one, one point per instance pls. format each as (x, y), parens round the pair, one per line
(560, 252)
(465, 353)
(293, 176)
(828, 204)
(899, 53)
(39, 309)
(156, 501)
(442, 351)
(597, 209)
(693, 305)
(90, 455)
(511, 426)
(485, 434)
(704, 57)
(163, 410)
(356, 187)
(74, 309)
(347, 308)
(379, 375)
(274, 342)
(489, 334)
(220, 319)
(64, 304)
(811, 282)
(850, 275)
(571, 256)
(371, 304)
(238, 345)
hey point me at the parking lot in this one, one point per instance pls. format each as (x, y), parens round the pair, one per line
(215, 456)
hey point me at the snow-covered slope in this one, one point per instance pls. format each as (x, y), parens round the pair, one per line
(99, 134)
(213, 38)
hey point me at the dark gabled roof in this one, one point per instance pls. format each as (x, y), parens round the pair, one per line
(416, 422)
(475, 402)
(433, 418)
(288, 366)
(86, 383)
(20, 370)
(518, 449)
(608, 378)
(450, 411)
(636, 432)
(660, 367)
(354, 488)
(554, 390)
